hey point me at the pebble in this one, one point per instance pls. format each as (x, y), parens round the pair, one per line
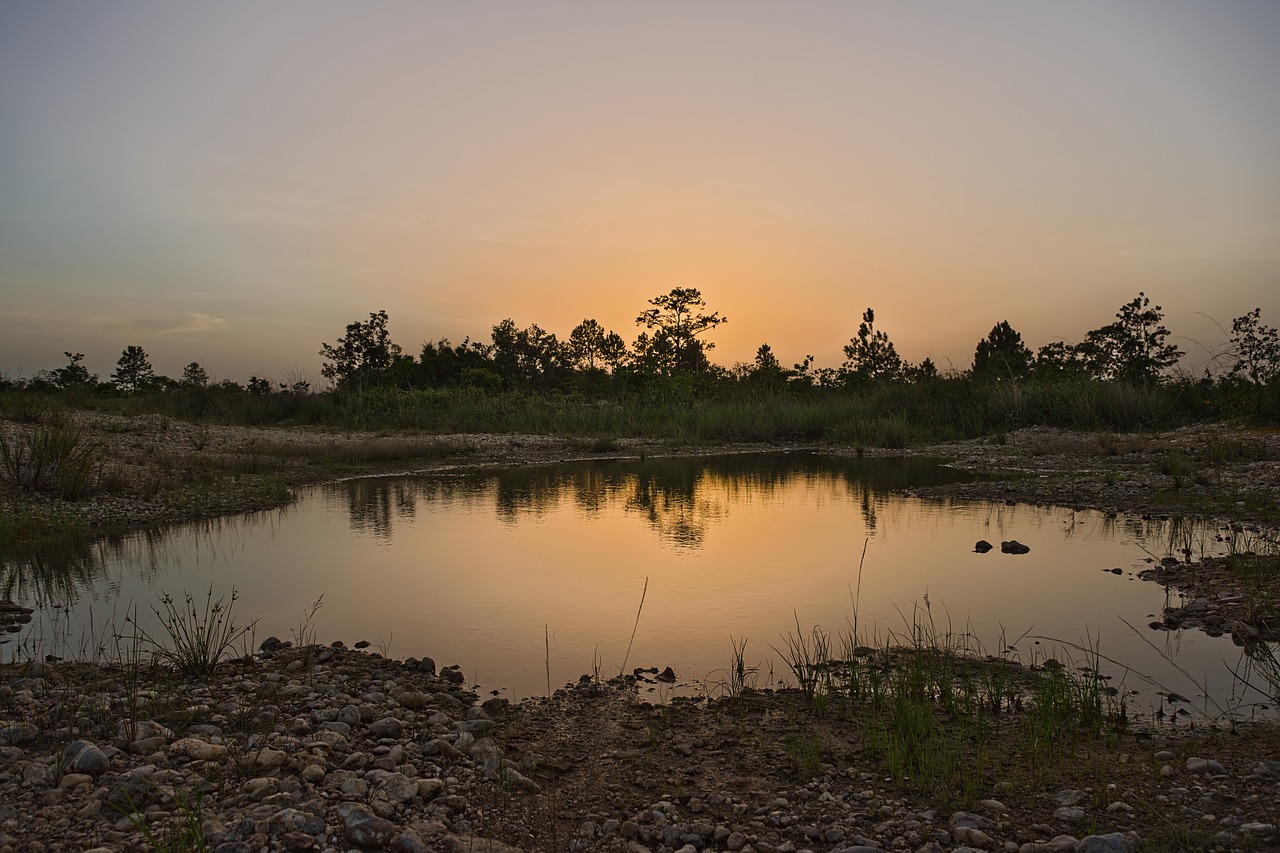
(412, 764)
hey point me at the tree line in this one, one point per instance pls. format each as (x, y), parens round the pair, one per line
(671, 354)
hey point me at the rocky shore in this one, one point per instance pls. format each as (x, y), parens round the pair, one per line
(331, 749)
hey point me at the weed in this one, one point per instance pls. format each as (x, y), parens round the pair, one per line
(183, 834)
(54, 458)
(742, 678)
(198, 640)
(804, 751)
(305, 634)
(1177, 467)
(643, 593)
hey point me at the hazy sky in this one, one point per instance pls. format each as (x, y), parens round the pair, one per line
(234, 182)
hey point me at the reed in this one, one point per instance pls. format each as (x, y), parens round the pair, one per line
(634, 627)
(196, 639)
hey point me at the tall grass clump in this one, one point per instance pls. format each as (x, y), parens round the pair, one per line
(53, 458)
(195, 639)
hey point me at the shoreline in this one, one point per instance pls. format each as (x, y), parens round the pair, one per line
(328, 748)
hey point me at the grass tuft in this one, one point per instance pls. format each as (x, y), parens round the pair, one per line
(197, 640)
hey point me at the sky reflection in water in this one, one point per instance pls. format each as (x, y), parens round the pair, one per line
(487, 569)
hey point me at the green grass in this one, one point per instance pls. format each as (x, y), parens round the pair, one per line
(941, 716)
(891, 415)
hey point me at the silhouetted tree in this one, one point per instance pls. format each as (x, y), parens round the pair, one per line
(362, 355)
(765, 370)
(871, 356)
(1133, 348)
(676, 320)
(194, 376)
(133, 371)
(924, 371)
(530, 357)
(590, 347)
(1058, 360)
(1002, 354)
(443, 364)
(75, 374)
(259, 386)
(1254, 348)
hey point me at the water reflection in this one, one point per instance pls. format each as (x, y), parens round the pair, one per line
(483, 568)
(678, 498)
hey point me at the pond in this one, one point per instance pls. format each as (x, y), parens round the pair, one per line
(531, 577)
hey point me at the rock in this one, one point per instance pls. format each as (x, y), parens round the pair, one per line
(134, 789)
(19, 734)
(982, 546)
(365, 829)
(1067, 797)
(198, 750)
(415, 699)
(269, 759)
(1057, 844)
(82, 756)
(396, 787)
(668, 675)
(1069, 815)
(409, 842)
(970, 820)
(1114, 842)
(387, 727)
(1013, 546)
(972, 837)
(1211, 767)
(72, 780)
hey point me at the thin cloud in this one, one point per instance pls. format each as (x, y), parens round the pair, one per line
(164, 324)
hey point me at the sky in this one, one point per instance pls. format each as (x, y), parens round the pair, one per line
(234, 182)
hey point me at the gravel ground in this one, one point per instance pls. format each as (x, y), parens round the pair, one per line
(333, 749)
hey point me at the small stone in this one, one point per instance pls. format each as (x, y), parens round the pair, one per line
(387, 727)
(1069, 815)
(366, 829)
(269, 759)
(198, 750)
(71, 780)
(1200, 765)
(1113, 842)
(968, 819)
(1067, 797)
(972, 837)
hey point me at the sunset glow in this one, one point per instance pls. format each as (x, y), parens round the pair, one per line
(233, 183)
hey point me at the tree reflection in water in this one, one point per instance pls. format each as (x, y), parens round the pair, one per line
(679, 498)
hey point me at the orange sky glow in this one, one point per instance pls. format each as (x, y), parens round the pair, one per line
(233, 183)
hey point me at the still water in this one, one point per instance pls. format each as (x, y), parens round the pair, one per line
(513, 572)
